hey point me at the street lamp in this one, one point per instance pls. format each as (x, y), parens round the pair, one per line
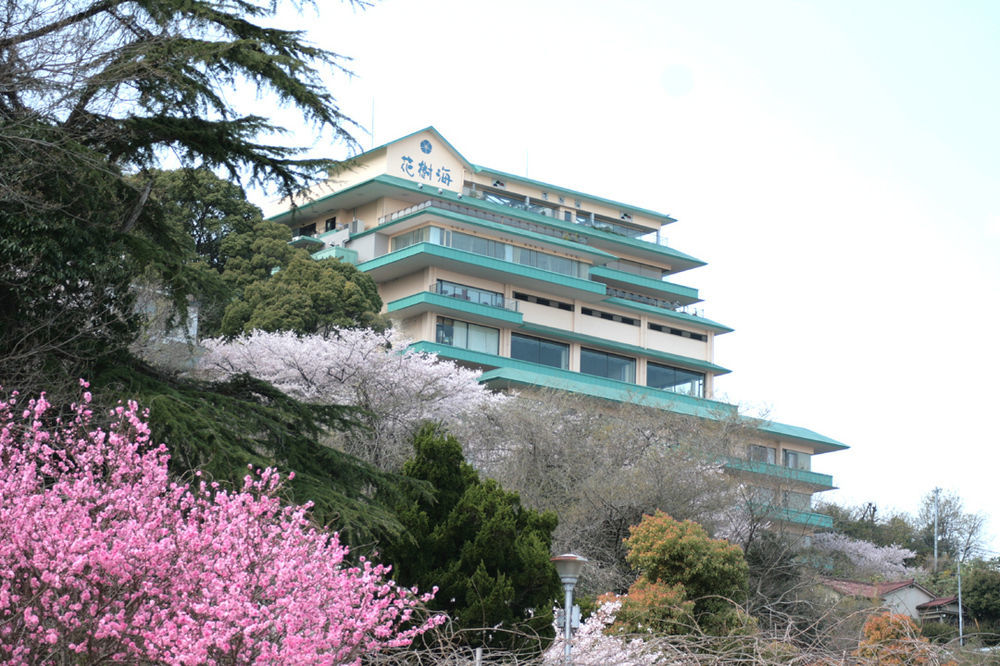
(568, 566)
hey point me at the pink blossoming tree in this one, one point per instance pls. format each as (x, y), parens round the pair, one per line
(103, 558)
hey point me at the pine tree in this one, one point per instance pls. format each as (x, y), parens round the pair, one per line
(488, 555)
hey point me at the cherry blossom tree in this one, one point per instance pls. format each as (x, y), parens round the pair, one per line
(592, 646)
(862, 559)
(104, 558)
(397, 388)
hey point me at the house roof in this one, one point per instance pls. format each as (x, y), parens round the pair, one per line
(937, 603)
(856, 588)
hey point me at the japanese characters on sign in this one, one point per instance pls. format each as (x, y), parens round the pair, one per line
(424, 168)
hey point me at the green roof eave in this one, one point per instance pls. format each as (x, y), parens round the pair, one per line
(440, 251)
(807, 518)
(813, 479)
(448, 195)
(512, 371)
(821, 443)
(669, 314)
(450, 305)
(574, 193)
(601, 343)
(565, 245)
(688, 294)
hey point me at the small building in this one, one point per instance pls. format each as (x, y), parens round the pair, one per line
(906, 597)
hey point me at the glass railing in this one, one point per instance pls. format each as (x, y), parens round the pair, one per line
(545, 230)
(491, 248)
(473, 295)
(655, 237)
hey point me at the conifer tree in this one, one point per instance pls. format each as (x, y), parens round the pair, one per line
(488, 555)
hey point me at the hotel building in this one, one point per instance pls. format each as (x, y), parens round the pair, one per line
(539, 285)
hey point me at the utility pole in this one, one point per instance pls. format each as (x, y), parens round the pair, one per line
(961, 624)
(937, 491)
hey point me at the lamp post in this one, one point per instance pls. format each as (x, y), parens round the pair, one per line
(568, 566)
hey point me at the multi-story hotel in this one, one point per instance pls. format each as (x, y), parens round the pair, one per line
(540, 285)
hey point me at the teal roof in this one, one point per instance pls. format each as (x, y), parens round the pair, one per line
(523, 179)
(440, 251)
(472, 202)
(512, 371)
(687, 294)
(570, 246)
(576, 194)
(507, 371)
(786, 431)
(669, 314)
(449, 305)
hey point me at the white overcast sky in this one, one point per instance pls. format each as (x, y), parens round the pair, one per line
(837, 164)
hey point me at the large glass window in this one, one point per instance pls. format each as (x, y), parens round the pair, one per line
(537, 350)
(468, 336)
(796, 501)
(602, 364)
(675, 380)
(796, 460)
(422, 235)
(764, 454)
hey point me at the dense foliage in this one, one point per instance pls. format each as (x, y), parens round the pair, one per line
(686, 579)
(103, 558)
(488, 554)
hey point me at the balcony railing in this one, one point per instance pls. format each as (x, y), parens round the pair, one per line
(647, 236)
(473, 295)
(485, 215)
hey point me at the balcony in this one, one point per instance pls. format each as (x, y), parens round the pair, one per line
(815, 481)
(796, 517)
(457, 308)
(463, 292)
(525, 218)
(502, 371)
(505, 220)
(675, 292)
(421, 255)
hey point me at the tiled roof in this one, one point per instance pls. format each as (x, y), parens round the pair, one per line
(937, 603)
(856, 588)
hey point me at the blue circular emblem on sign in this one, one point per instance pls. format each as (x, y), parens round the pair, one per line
(425, 147)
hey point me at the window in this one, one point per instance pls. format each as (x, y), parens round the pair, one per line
(602, 364)
(331, 224)
(308, 230)
(468, 336)
(471, 294)
(676, 331)
(537, 350)
(675, 380)
(610, 316)
(548, 302)
(422, 235)
(796, 460)
(796, 501)
(492, 248)
(764, 454)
